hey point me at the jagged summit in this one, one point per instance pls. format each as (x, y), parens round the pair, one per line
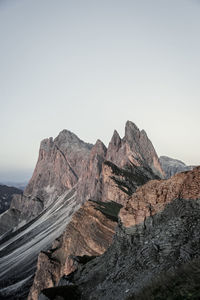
(67, 139)
(131, 131)
(134, 149)
(116, 139)
(71, 172)
(99, 148)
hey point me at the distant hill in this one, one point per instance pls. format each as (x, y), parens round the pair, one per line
(173, 166)
(6, 193)
(18, 185)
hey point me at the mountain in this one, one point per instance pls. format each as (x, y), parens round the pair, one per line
(155, 251)
(69, 173)
(173, 166)
(6, 194)
(18, 185)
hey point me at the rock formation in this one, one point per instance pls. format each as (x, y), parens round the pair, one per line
(157, 235)
(68, 173)
(89, 234)
(173, 166)
(67, 161)
(134, 149)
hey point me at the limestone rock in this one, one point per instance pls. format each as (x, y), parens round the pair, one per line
(135, 148)
(158, 234)
(90, 182)
(152, 197)
(89, 233)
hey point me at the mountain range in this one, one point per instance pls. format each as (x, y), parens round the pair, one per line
(97, 222)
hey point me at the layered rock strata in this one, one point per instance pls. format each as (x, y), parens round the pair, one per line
(68, 165)
(67, 161)
(158, 233)
(89, 233)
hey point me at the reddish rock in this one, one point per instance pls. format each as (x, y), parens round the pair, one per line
(60, 165)
(152, 197)
(90, 182)
(90, 233)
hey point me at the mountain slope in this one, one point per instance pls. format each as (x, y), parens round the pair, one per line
(173, 166)
(68, 166)
(6, 194)
(158, 233)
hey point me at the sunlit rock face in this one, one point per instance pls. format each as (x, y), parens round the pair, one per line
(89, 233)
(173, 166)
(59, 166)
(152, 197)
(157, 238)
(135, 148)
(58, 169)
(90, 183)
(67, 161)
(68, 173)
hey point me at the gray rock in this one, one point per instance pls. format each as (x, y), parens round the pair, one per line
(173, 166)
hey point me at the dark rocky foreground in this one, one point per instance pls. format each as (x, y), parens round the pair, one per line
(138, 263)
(157, 235)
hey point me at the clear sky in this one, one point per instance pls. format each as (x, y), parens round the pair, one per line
(88, 66)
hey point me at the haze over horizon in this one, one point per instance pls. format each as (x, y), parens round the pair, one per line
(89, 66)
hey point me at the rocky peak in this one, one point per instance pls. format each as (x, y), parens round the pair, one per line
(134, 149)
(113, 146)
(67, 140)
(132, 132)
(116, 140)
(99, 148)
(46, 144)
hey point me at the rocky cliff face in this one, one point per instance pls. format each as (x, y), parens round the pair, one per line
(134, 149)
(68, 173)
(157, 235)
(173, 166)
(67, 161)
(58, 169)
(89, 234)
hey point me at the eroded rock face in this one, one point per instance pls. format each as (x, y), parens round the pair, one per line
(91, 172)
(152, 197)
(135, 148)
(89, 233)
(146, 247)
(90, 183)
(173, 166)
(58, 169)
(67, 161)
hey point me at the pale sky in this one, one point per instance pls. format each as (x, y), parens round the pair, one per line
(88, 66)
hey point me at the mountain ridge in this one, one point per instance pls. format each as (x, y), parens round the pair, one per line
(69, 174)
